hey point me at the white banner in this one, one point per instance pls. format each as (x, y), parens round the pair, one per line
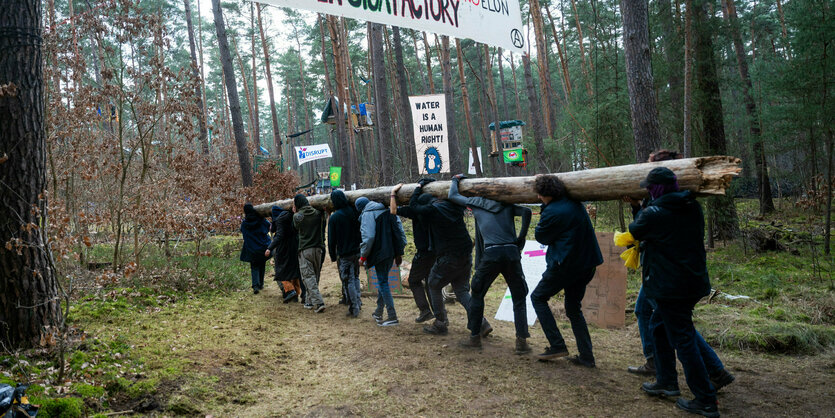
(429, 120)
(533, 265)
(312, 152)
(471, 170)
(493, 22)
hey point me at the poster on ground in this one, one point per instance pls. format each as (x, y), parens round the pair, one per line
(307, 153)
(533, 265)
(471, 170)
(493, 22)
(431, 140)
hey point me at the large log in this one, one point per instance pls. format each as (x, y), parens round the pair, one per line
(701, 175)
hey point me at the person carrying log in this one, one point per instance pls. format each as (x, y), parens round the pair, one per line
(344, 249)
(383, 241)
(424, 253)
(675, 277)
(572, 256)
(453, 246)
(255, 232)
(285, 249)
(310, 223)
(498, 249)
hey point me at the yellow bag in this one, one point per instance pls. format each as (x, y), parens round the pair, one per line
(631, 256)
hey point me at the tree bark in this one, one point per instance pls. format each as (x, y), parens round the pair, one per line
(536, 115)
(542, 60)
(381, 101)
(639, 78)
(721, 210)
(673, 55)
(29, 301)
(248, 95)
(408, 128)
(204, 143)
(455, 164)
(687, 114)
(763, 181)
(705, 176)
(256, 129)
(515, 87)
(428, 64)
(232, 92)
(492, 100)
(273, 110)
(465, 99)
(566, 79)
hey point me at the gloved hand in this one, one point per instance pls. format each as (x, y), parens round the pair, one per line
(426, 180)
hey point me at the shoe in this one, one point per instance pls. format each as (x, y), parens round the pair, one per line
(320, 308)
(646, 369)
(308, 306)
(437, 328)
(522, 346)
(289, 296)
(721, 379)
(350, 313)
(656, 389)
(698, 408)
(552, 353)
(424, 316)
(377, 316)
(356, 314)
(255, 291)
(486, 328)
(580, 362)
(389, 322)
(473, 341)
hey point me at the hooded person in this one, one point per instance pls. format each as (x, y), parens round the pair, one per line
(424, 252)
(255, 231)
(285, 248)
(310, 222)
(453, 248)
(383, 242)
(675, 277)
(344, 249)
(498, 250)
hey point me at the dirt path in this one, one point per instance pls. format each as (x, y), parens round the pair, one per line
(264, 358)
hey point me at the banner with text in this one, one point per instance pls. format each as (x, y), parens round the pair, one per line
(493, 22)
(429, 120)
(313, 152)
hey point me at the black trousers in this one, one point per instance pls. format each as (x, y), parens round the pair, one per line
(574, 284)
(421, 266)
(488, 269)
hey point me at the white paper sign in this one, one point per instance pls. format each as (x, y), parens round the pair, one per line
(313, 152)
(429, 120)
(533, 265)
(471, 170)
(494, 22)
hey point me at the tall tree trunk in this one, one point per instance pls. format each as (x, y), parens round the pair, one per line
(381, 101)
(248, 95)
(583, 65)
(200, 56)
(428, 64)
(407, 128)
(256, 129)
(673, 55)
(504, 107)
(536, 115)
(307, 126)
(204, 143)
(515, 87)
(639, 78)
(542, 60)
(423, 80)
(347, 75)
(455, 164)
(687, 114)
(273, 110)
(763, 182)
(566, 79)
(491, 97)
(30, 306)
(465, 99)
(397, 117)
(721, 210)
(232, 92)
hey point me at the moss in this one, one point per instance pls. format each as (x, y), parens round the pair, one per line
(88, 391)
(182, 405)
(58, 407)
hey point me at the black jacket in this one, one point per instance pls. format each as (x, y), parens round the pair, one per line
(420, 228)
(565, 227)
(255, 230)
(671, 231)
(285, 247)
(343, 228)
(388, 239)
(446, 225)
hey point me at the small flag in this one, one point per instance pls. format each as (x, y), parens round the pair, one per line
(513, 155)
(336, 176)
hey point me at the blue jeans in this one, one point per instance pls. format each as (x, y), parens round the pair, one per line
(643, 312)
(711, 360)
(349, 268)
(574, 284)
(257, 271)
(676, 335)
(383, 291)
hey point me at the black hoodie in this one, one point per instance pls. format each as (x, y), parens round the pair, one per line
(285, 246)
(254, 229)
(446, 225)
(671, 231)
(343, 228)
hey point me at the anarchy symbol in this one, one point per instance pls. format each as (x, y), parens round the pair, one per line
(516, 38)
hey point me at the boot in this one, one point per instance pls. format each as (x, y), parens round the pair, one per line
(474, 341)
(721, 379)
(486, 328)
(646, 369)
(437, 328)
(522, 346)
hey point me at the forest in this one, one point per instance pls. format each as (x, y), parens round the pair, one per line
(153, 122)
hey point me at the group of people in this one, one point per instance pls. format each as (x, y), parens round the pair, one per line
(669, 226)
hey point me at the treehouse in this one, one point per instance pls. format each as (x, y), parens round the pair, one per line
(360, 114)
(510, 143)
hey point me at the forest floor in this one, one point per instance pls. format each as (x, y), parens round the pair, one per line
(195, 341)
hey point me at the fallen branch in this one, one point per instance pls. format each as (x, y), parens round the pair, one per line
(701, 175)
